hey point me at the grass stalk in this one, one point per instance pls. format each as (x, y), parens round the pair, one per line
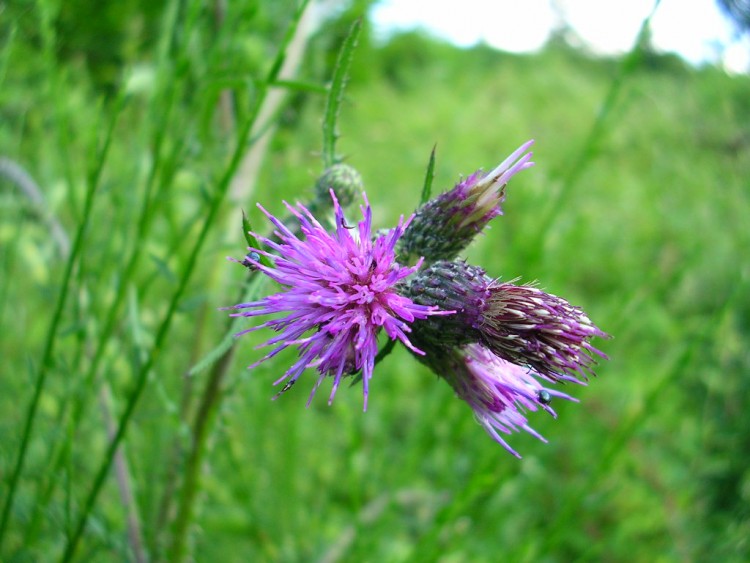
(211, 395)
(596, 134)
(45, 363)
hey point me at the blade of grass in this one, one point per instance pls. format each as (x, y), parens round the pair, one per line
(288, 58)
(601, 125)
(142, 375)
(162, 109)
(49, 347)
(6, 52)
(112, 318)
(680, 366)
(211, 396)
(252, 242)
(428, 177)
(124, 482)
(627, 429)
(202, 424)
(336, 95)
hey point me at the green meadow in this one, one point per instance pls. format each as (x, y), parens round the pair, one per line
(131, 429)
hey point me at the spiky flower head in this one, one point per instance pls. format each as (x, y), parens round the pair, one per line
(499, 392)
(446, 224)
(519, 323)
(339, 291)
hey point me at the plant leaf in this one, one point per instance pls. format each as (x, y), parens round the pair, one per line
(247, 230)
(336, 94)
(428, 177)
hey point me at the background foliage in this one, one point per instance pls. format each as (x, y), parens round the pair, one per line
(636, 210)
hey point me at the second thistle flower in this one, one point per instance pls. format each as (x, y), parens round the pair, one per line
(519, 323)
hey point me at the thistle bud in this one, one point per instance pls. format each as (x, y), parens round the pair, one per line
(524, 324)
(445, 225)
(345, 182)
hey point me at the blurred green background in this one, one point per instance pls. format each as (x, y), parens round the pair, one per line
(134, 119)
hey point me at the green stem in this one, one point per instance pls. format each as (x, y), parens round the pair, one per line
(113, 314)
(46, 361)
(212, 394)
(161, 119)
(590, 147)
(142, 375)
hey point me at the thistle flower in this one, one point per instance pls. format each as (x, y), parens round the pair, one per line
(445, 225)
(499, 392)
(339, 291)
(521, 324)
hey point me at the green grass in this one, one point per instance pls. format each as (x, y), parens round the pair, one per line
(644, 227)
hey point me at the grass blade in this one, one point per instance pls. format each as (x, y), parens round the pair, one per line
(428, 177)
(598, 130)
(49, 347)
(252, 242)
(336, 94)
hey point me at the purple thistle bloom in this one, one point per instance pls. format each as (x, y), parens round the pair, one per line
(339, 291)
(499, 392)
(446, 224)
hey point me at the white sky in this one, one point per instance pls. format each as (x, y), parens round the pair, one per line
(694, 29)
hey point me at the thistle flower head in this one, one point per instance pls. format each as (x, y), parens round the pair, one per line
(339, 291)
(521, 324)
(445, 225)
(499, 392)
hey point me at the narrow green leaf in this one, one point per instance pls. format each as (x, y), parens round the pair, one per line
(6, 52)
(247, 230)
(428, 177)
(291, 30)
(252, 242)
(213, 355)
(254, 286)
(44, 365)
(163, 269)
(138, 332)
(336, 94)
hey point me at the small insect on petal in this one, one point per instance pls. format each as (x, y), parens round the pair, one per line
(251, 256)
(287, 386)
(543, 397)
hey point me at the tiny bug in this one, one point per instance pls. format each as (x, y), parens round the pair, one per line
(543, 397)
(251, 256)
